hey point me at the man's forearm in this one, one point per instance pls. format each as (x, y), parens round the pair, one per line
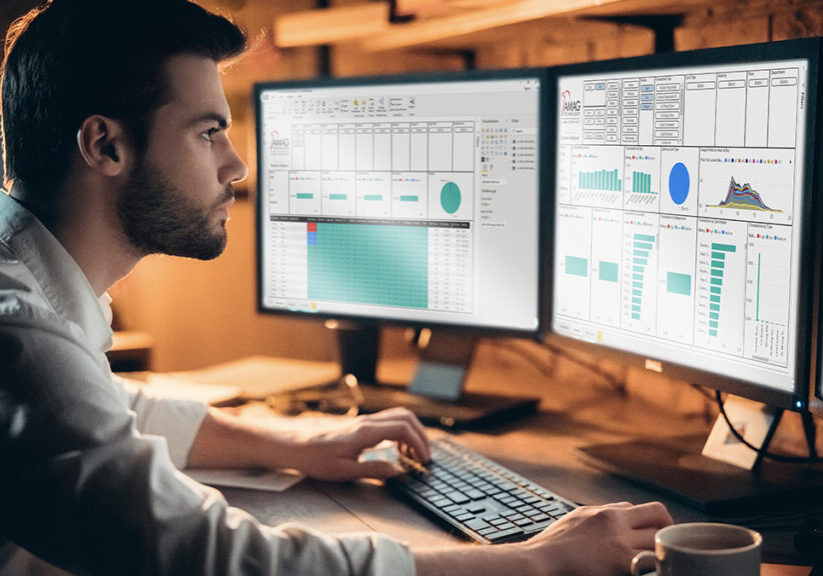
(225, 441)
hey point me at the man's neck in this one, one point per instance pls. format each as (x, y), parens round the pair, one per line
(89, 231)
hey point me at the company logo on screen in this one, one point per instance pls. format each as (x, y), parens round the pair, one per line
(570, 107)
(278, 143)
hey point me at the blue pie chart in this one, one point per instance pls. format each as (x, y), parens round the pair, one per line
(679, 183)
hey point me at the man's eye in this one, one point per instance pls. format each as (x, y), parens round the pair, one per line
(209, 134)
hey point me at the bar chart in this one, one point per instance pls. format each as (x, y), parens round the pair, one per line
(675, 278)
(572, 265)
(721, 285)
(768, 292)
(607, 238)
(640, 257)
(642, 185)
(597, 176)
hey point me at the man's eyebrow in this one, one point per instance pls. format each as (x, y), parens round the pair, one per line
(221, 120)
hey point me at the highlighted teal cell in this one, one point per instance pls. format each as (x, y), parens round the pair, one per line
(714, 315)
(718, 264)
(715, 298)
(637, 277)
(304, 196)
(715, 289)
(641, 261)
(338, 196)
(576, 266)
(724, 247)
(373, 197)
(717, 281)
(677, 283)
(714, 307)
(641, 253)
(717, 272)
(643, 238)
(409, 198)
(608, 271)
(450, 197)
(718, 255)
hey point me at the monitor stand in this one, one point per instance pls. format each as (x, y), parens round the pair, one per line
(435, 393)
(676, 467)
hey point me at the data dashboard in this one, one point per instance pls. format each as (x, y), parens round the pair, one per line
(678, 214)
(414, 201)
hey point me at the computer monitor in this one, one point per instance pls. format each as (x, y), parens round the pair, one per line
(683, 225)
(412, 201)
(816, 380)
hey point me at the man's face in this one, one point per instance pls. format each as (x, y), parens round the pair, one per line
(178, 197)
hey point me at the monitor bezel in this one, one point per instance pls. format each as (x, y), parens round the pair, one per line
(808, 49)
(543, 234)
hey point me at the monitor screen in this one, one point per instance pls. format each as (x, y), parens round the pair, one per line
(682, 213)
(402, 200)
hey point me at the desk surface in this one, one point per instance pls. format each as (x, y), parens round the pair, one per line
(576, 409)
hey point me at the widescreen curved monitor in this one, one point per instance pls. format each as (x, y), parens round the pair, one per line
(683, 214)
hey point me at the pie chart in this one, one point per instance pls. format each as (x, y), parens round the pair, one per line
(450, 197)
(679, 183)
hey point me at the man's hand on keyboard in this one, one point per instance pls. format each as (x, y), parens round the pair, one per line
(334, 454)
(591, 541)
(600, 540)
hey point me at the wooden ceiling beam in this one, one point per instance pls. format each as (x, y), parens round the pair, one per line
(332, 25)
(428, 31)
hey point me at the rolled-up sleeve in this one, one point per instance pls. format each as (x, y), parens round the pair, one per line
(85, 490)
(175, 420)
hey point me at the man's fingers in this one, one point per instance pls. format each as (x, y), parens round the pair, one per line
(405, 415)
(648, 515)
(414, 434)
(372, 433)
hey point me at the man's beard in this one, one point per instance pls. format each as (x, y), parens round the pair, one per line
(158, 219)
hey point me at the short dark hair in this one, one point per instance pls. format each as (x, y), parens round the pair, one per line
(71, 59)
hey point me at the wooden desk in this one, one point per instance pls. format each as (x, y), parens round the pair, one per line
(575, 410)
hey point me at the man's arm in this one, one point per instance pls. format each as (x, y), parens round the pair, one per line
(591, 541)
(82, 489)
(329, 454)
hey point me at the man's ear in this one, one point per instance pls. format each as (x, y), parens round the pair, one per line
(103, 145)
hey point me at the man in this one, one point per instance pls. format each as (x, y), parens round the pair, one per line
(116, 146)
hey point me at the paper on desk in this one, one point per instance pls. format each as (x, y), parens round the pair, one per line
(267, 480)
(172, 385)
(260, 376)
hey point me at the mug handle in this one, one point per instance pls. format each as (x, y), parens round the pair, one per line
(640, 558)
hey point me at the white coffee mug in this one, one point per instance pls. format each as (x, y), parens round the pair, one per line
(707, 549)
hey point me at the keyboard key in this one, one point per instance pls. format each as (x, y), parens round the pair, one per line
(504, 534)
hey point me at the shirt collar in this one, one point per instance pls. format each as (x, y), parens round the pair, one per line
(60, 278)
